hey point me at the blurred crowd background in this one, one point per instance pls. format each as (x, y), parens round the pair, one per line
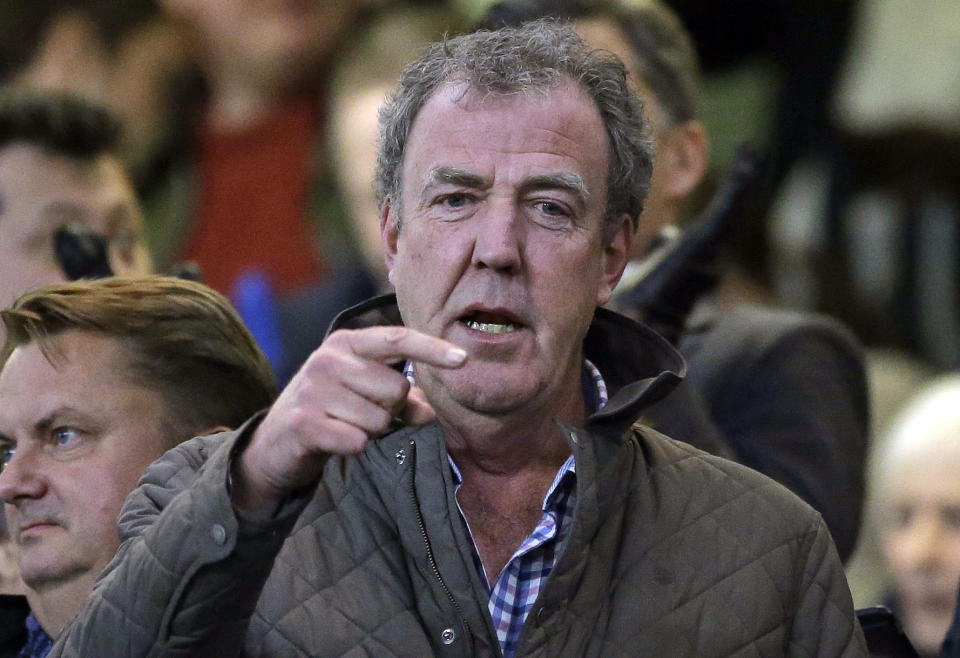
(250, 133)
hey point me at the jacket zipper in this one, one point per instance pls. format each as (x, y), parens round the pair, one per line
(426, 540)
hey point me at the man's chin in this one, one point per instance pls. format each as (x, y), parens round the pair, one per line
(487, 388)
(45, 576)
(43, 564)
(492, 404)
(491, 398)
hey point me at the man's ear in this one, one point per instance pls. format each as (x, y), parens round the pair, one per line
(389, 234)
(684, 155)
(615, 256)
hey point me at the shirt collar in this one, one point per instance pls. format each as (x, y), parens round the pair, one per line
(557, 487)
(38, 642)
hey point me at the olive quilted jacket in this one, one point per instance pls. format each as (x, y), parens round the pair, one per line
(673, 552)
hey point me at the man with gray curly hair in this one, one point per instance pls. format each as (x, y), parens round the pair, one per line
(524, 69)
(457, 469)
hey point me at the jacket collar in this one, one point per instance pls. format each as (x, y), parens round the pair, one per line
(639, 366)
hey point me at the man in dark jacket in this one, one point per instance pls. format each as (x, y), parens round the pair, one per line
(518, 511)
(98, 379)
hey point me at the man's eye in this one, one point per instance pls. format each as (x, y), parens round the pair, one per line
(550, 208)
(454, 200)
(65, 437)
(6, 454)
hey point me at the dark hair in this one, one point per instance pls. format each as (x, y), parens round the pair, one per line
(58, 122)
(532, 57)
(663, 52)
(180, 338)
(24, 25)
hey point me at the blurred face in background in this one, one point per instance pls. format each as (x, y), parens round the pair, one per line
(270, 38)
(133, 77)
(355, 127)
(920, 539)
(682, 148)
(41, 191)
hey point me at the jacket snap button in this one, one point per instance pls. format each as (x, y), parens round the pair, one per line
(542, 615)
(401, 455)
(574, 438)
(219, 534)
(448, 635)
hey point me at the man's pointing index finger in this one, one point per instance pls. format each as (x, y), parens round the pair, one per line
(396, 343)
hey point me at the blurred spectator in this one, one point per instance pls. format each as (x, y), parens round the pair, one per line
(122, 54)
(367, 72)
(58, 166)
(893, 378)
(97, 380)
(249, 188)
(782, 392)
(243, 186)
(772, 68)
(879, 210)
(916, 492)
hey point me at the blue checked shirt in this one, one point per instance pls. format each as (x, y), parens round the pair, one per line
(38, 642)
(513, 594)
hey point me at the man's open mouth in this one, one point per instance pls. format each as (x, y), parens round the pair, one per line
(490, 322)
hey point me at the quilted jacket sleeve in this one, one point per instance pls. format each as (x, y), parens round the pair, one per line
(172, 588)
(823, 624)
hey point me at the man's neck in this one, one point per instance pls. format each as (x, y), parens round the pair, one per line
(55, 605)
(523, 440)
(502, 510)
(507, 465)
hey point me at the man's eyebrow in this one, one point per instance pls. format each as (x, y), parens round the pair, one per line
(60, 414)
(455, 176)
(567, 181)
(45, 423)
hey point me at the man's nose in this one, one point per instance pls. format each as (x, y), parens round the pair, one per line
(21, 477)
(498, 244)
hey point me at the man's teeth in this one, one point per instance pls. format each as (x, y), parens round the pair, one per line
(490, 327)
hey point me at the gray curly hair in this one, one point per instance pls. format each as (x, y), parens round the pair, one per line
(533, 57)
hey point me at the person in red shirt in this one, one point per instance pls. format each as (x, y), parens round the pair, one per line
(244, 190)
(257, 143)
